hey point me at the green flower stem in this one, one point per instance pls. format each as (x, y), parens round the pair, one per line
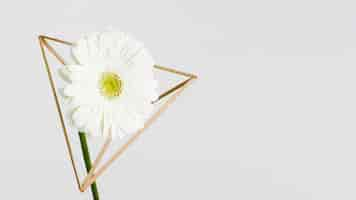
(87, 161)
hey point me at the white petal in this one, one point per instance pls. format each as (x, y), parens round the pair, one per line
(81, 116)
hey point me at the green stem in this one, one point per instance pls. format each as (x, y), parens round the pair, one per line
(87, 161)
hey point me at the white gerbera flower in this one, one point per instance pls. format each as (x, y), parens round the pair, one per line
(112, 85)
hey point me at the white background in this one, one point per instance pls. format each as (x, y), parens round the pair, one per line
(271, 117)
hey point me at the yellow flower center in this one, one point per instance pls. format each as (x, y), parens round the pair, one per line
(110, 84)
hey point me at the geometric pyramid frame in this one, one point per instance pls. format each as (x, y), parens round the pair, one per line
(95, 170)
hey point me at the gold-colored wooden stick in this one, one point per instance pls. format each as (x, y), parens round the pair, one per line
(53, 88)
(137, 134)
(56, 40)
(169, 91)
(54, 53)
(96, 162)
(174, 71)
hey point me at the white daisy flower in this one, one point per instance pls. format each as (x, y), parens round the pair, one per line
(111, 87)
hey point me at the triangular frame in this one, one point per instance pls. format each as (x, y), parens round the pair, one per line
(95, 172)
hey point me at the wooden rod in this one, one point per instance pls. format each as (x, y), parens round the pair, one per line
(174, 71)
(53, 88)
(138, 133)
(104, 148)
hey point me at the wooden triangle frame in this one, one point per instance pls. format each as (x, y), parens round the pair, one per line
(97, 171)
